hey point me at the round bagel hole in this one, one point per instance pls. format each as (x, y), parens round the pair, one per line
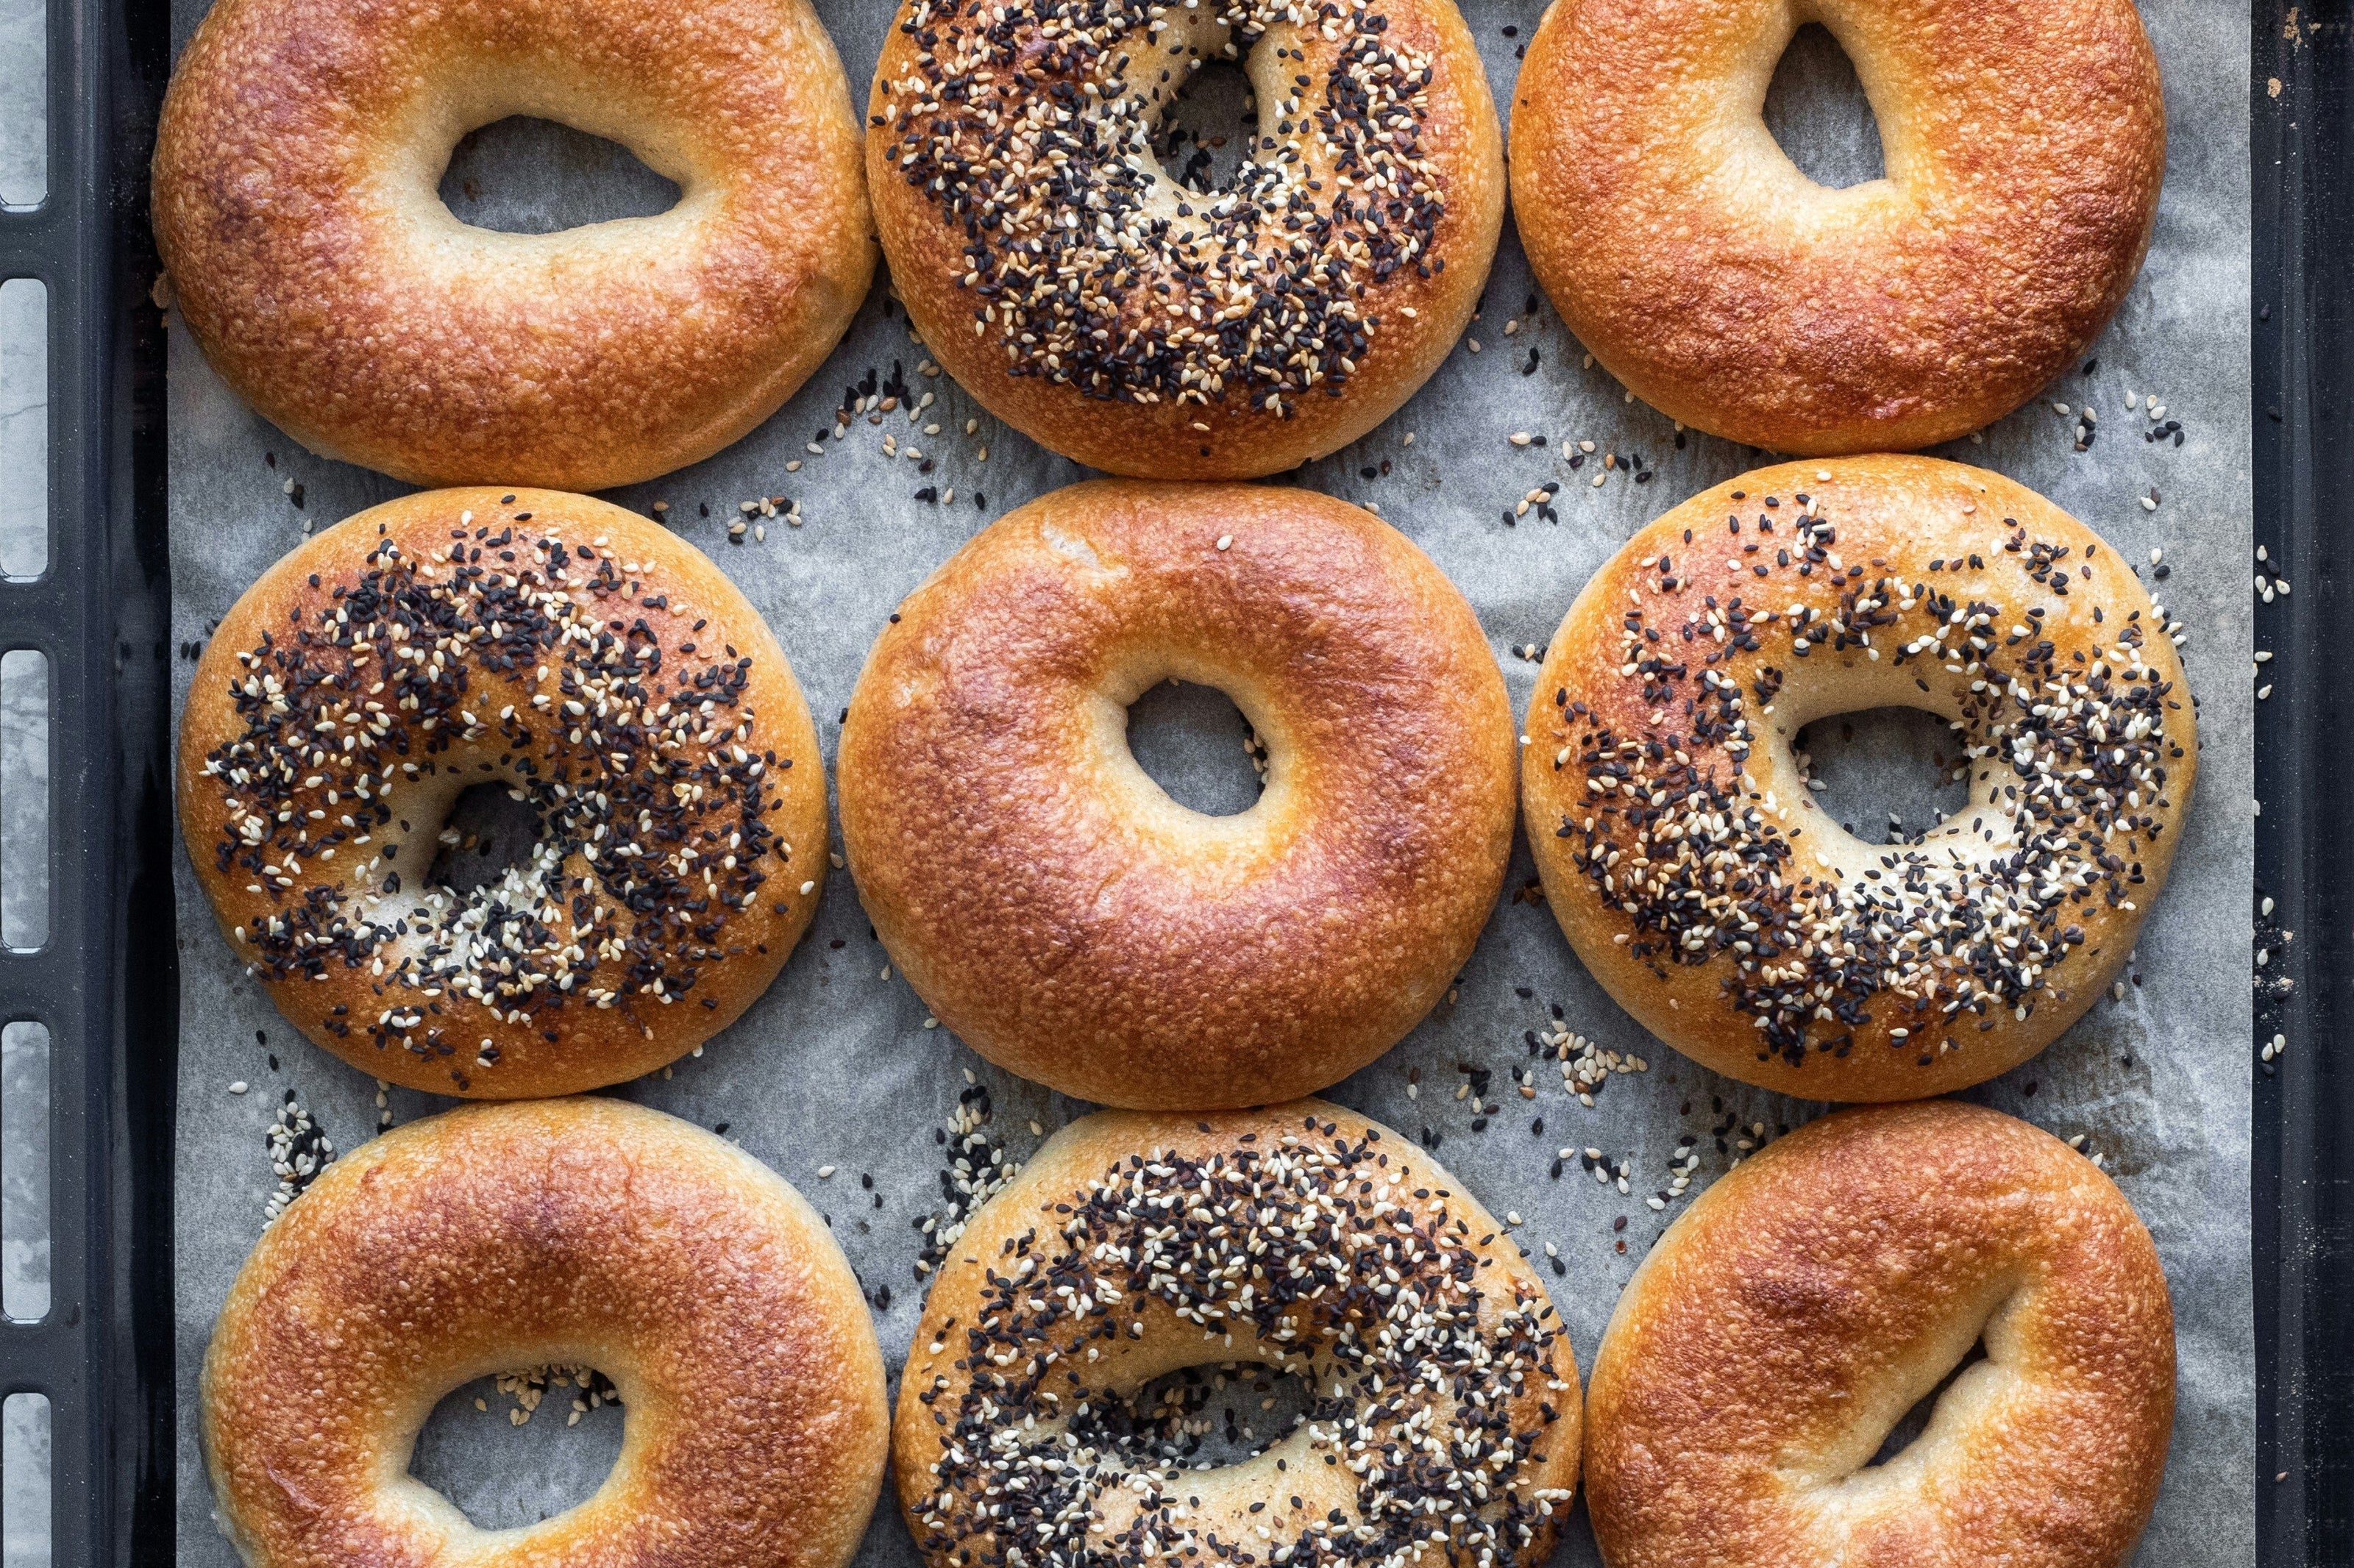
(488, 832)
(1195, 744)
(1916, 1421)
(1886, 775)
(522, 175)
(1206, 135)
(1212, 1416)
(502, 1473)
(1817, 113)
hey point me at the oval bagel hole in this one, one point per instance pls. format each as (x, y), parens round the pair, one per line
(524, 175)
(1886, 775)
(1212, 1415)
(1916, 1421)
(1205, 134)
(506, 1473)
(1195, 744)
(1817, 113)
(488, 832)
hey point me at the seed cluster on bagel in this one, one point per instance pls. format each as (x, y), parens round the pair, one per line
(1684, 852)
(516, 638)
(1444, 1420)
(1162, 331)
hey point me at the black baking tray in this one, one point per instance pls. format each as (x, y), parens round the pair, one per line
(105, 983)
(2302, 150)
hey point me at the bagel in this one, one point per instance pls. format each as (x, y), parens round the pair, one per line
(1682, 851)
(1789, 1319)
(608, 674)
(2024, 142)
(1067, 919)
(1443, 1421)
(294, 201)
(584, 1231)
(1151, 329)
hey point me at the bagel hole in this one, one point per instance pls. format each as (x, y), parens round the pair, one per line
(1818, 114)
(1916, 1421)
(1212, 1416)
(1195, 744)
(1205, 134)
(522, 175)
(503, 1473)
(1886, 775)
(489, 831)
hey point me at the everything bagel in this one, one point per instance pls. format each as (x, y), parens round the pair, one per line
(1685, 857)
(599, 668)
(1146, 328)
(1065, 917)
(1303, 1239)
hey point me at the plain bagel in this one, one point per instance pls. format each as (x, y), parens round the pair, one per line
(585, 1232)
(597, 667)
(1789, 1319)
(1149, 328)
(296, 164)
(1302, 1239)
(1065, 917)
(1683, 853)
(2024, 142)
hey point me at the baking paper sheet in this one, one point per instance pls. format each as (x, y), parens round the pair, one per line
(834, 1067)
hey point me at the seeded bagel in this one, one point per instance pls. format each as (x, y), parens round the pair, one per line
(1153, 329)
(1684, 854)
(600, 668)
(1300, 1239)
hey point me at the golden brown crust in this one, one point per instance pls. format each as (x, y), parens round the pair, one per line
(1068, 920)
(643, 925)
(1418, 316)
(1790, 1318)
(495, 1238)
(1732, 897)
(2024, 142)
(294, 204)
(1359, 1210)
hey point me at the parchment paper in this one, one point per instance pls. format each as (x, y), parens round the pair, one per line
(834, 1068)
